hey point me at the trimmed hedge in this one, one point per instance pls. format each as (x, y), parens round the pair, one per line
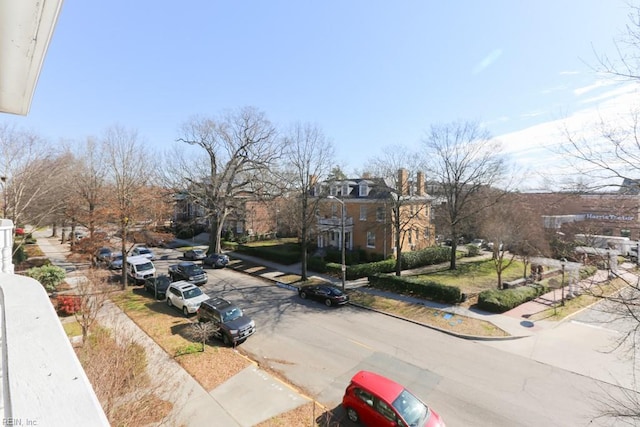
(499, 301)
(317, 264)
(364, 270)
(429, 256)
(425, 289)
(287, 256)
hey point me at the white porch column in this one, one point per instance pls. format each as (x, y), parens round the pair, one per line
(6, 244)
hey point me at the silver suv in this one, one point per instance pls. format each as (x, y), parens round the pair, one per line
(185, 296)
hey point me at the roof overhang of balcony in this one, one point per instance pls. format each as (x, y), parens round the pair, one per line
(26, 27)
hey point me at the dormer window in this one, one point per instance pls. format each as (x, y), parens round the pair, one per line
(333, 190)
(345, 189)
(364, 189)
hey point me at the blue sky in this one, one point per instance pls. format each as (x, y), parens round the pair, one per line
(370, 73)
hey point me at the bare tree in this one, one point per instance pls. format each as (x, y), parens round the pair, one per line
(233, 158)
(461, 159)
(30, 170)
(309, 156)
(128, 172)
(409, 204)
(93, 292)
(201, 332)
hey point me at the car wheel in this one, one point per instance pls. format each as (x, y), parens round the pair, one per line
(303, 295)
(353, 415)
(226, 340)
(328, 302)
(169, 303)
(185, 311)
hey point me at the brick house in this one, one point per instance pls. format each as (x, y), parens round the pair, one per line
(368, 213)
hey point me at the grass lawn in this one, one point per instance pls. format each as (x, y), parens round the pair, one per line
(475, 277)
(168, 327)
(73, 329)
(429, 316)
(274, 242)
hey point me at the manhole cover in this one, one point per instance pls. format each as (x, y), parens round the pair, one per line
(527, 324)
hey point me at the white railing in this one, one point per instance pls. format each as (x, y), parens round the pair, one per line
(6, 244)
(43, 383)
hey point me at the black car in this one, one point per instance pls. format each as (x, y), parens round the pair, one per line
(216, 260)
(157, 286)
(232, 325)
(329, 295)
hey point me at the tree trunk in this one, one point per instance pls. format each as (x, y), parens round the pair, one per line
(452, 261)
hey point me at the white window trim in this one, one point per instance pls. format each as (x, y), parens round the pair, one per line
(363, 213)
(371, 233)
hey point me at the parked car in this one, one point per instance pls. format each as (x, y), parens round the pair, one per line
(115, 263)
(195, 254)
(104, 254)
(374, 400)
(216, 260)
(477, 242)
(188, 271)
(158, 286)
(143, 251)
(185, 296)
(233, 326)
(329, 295)
(139, 268)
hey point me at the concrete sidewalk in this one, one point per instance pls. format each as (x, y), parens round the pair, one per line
(248, 398)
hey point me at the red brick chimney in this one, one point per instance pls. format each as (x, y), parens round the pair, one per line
(403, 182)
(419, 184)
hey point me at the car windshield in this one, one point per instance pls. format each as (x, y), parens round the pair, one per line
(162, 280)
(198, 252)
(411, 409)
(144, 267)
(334, 291)
(231, 314)
(144, 251)
(193, 269)
(192, 293)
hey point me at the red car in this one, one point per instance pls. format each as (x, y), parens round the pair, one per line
(374, 400)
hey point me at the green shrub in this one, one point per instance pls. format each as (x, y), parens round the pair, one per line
(49, 276)
(317, 264)
(473, 250)
(428, 256)
(364, 270)
(282, 254)
(19, 254)
(425, 289)
(499, 301)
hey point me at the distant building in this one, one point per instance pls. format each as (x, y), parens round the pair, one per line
(610, 214)
(368, 204)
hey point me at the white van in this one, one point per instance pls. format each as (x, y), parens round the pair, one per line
(140, 268)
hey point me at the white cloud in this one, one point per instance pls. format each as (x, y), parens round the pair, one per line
(538, 148)
(569, 73)
(597, 85)
(487, 61)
